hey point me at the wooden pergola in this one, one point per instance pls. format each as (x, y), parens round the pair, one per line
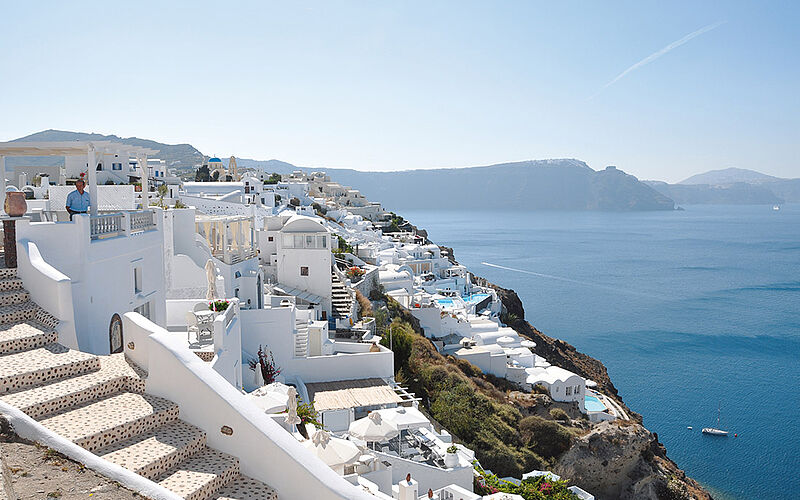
(94, 151)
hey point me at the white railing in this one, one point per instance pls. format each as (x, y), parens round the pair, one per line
(123, 223)
(104, 226)
(142, 221)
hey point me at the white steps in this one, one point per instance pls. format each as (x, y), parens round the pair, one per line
(46, 363)
(115, 375)
(14, 313)
(26, 335)
(154, 452)
(200, 475)
(246, 488)
(98, 402)
(101, 423)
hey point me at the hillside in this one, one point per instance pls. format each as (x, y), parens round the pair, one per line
(731, 186)
(181, 157)
(728, 176)
(562, 184)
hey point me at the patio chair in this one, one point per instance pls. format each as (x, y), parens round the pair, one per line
(191, 326)
(200, 306)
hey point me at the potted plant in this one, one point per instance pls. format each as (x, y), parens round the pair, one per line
(451, 457)
(218, 305)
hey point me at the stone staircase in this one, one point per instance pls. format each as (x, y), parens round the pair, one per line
(98, 402)
(341, 302)
(301, 338)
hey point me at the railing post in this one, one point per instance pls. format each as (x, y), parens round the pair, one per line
(126, 223)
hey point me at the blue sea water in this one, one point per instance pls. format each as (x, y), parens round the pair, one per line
(688, 310)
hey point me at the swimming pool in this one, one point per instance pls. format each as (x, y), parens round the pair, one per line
(591, 403)
(475, 298)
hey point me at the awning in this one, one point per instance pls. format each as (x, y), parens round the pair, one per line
(346, 394)
(300, 294)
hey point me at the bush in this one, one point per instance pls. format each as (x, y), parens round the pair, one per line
(540, 389)
(545, 437)
(364, 306)
(295, 202)
(559, 414)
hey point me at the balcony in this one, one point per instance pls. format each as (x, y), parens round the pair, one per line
(121, 224)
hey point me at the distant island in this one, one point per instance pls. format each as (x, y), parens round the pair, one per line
(555, 184)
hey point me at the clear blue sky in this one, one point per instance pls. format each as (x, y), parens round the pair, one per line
(399, 85)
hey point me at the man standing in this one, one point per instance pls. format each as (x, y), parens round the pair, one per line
(78, 201)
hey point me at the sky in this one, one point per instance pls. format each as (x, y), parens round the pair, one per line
(662, 90)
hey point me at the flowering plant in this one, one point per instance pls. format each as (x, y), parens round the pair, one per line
(355, 272)
(265, 363)
(218, 305)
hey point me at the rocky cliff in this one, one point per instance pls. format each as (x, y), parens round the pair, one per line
(615, 460)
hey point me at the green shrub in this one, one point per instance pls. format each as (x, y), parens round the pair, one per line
(559, 414)
(545, 437)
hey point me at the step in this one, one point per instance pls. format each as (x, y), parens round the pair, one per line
(245, 488)
(200, 475)
(154, 452)
(10, 297)
(11, 284)
(16, 313)
(16, 337)
(115, 375)
(101, 423)
(47, 363)
(7, 272)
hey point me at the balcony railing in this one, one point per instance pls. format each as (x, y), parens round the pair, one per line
(123, 223)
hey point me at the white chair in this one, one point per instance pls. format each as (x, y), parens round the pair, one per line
(200, 306)
(191, 326)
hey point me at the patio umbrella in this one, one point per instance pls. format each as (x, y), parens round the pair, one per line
(405, 417)
(211, 276)
(373, 428)
(291, 414)
(272, 398)
(333, 451)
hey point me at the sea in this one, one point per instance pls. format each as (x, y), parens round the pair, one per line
(691, 311)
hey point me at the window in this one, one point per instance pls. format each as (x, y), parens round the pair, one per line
(116, 166)
(137, 280)
(569, 391)
(322, 242)
(309, 241)
(287, 241)
(577, 389)
(303, 270)
(144, 310)
(298, 241)
(270, 238)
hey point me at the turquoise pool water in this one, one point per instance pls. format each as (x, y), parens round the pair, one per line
(591, 403)
(475, 298)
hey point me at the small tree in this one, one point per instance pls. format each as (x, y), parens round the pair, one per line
(202, 175)
(265, 363)
(295, 202)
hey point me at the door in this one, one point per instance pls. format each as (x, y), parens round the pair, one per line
(115, 339)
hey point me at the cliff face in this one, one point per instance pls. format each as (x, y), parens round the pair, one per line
(615, 460)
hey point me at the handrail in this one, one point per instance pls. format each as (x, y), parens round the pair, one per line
(121, 223)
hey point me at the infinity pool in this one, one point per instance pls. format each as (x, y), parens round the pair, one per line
(591, 403)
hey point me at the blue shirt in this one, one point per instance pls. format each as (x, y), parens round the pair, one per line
(78, 202)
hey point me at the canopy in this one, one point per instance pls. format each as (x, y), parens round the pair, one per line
(271, 398)
(373, 428)
(505, 340)
(405, 417)
(333, 451)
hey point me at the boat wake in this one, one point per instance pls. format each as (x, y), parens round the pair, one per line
(577, 282)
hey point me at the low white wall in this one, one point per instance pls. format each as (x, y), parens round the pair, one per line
(266, 451)
(428, 476)
(177, 309)
(48, 287)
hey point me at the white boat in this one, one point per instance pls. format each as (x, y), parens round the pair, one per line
(715, 431)
(776, 207)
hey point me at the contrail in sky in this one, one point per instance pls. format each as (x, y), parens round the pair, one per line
(568, 280)
(655, 55)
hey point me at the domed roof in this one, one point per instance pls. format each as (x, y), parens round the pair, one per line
(214, 160)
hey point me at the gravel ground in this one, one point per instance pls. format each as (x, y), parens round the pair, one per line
(40, 473)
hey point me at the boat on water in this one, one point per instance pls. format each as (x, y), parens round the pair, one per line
(776, 207)
(716, 431)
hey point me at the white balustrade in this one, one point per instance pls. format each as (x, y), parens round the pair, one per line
(125, 223)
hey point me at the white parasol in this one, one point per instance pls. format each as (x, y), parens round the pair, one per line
(211, 276)
(291, 414)
(373, 428)
(333, 451)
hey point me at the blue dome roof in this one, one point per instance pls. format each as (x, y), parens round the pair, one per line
(215, 159)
